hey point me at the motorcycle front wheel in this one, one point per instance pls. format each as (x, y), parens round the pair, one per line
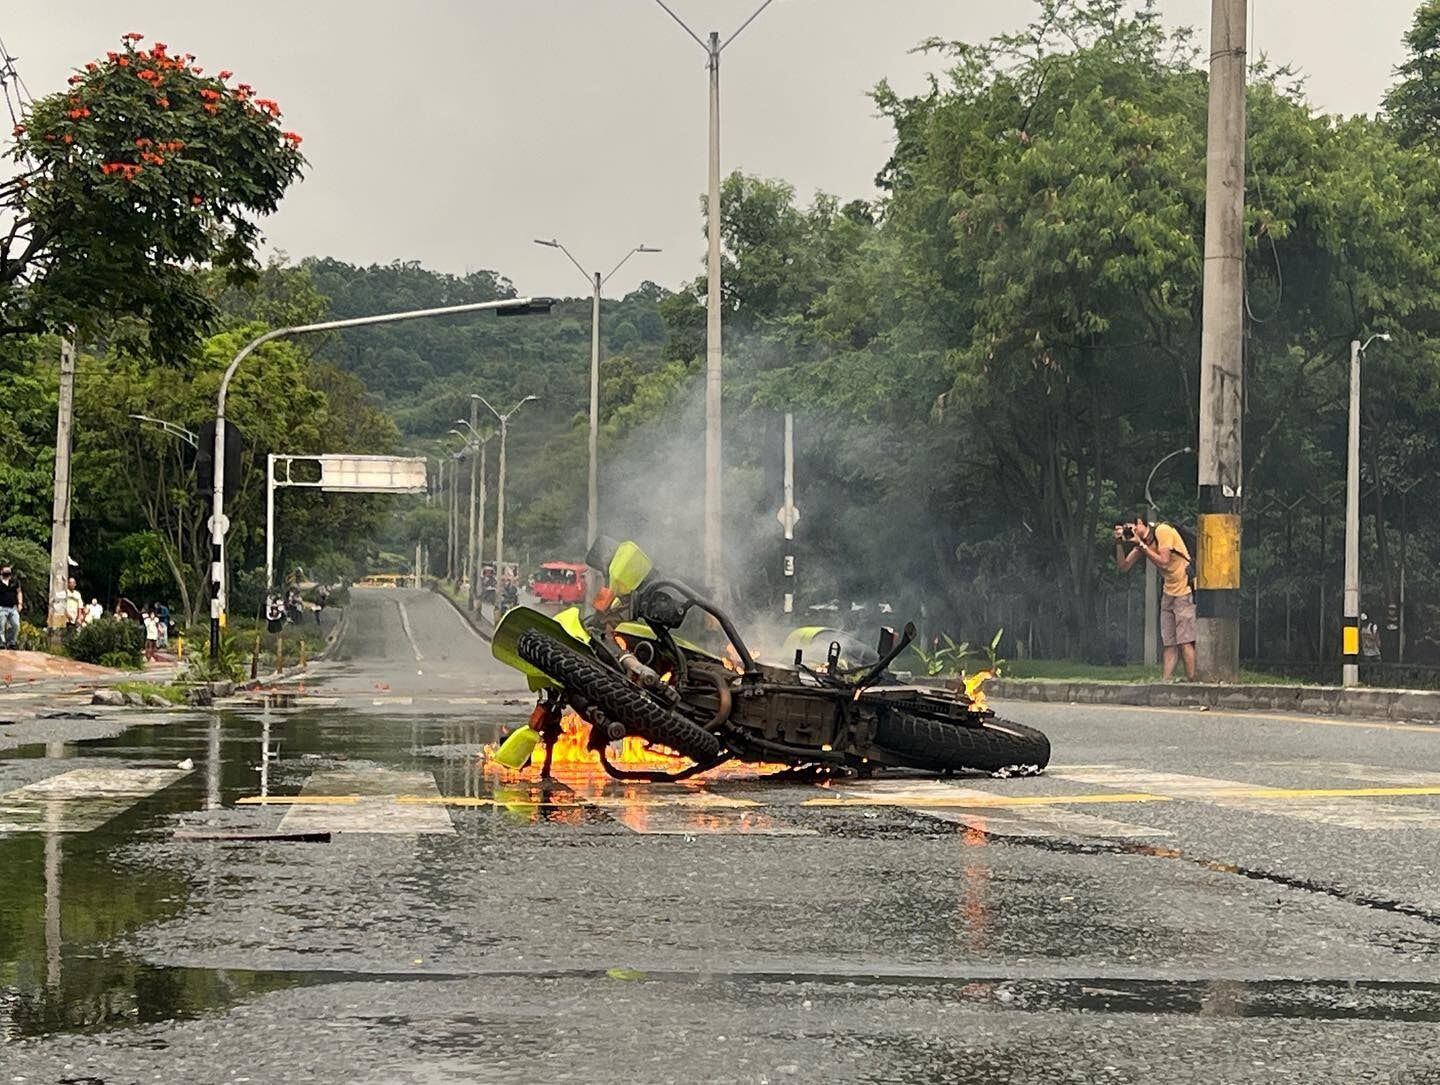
(993, 745)
(618, 697)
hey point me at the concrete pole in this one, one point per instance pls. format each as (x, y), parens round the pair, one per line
(787, 513)
(455, 521)
(1350, 636)
(472, 555)
(1218, 533)
(592, 519)
(714, 505)
(269, 522)
(500, 508)
(60, 507)
(480, 521)
(444, 494)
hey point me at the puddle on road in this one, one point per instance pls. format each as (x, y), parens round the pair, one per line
(71, 889)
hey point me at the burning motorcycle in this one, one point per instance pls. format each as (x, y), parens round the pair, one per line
(626, 671)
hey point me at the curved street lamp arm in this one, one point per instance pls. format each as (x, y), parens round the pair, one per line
(1150, 501)
(642, 247)
(743, 25)
(517, 406)
(488, 407)
(686, 28)
(554, 244)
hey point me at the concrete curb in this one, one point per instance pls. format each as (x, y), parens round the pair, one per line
(475, 621)
(1411, 705)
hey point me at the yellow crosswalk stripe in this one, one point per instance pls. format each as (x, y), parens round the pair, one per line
(1342, 806)
(369, 803)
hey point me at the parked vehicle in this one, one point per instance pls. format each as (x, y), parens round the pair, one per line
(624, 670)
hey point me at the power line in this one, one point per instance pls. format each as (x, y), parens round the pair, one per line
(18, 98)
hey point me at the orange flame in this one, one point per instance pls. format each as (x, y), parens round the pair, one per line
(572, 748)
(974, 692)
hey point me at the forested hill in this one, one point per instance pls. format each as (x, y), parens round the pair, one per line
(423, 371)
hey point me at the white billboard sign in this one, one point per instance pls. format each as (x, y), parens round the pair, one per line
(372, 474)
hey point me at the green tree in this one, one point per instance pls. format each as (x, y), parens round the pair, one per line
(1413, 103)
(142, 170)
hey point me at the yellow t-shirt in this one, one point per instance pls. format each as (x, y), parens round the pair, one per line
(1175, 575)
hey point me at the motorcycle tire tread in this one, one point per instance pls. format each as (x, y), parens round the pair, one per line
(618, 697)
(996, 745)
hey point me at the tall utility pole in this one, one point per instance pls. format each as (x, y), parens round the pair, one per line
(504, 420)
(1350, 633)
(1217, 566)
(714, 461)
(473, 545)
(789, 513)
(596, 281)
(714, 505)
(60, 508)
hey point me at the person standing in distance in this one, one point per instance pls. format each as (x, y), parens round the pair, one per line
(12, 600)
(1163, 547)
(74, 605)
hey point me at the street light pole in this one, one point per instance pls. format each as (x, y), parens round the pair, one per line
(475, 559)
(1152, 574)
(1350, 636)
(714, 507)
(218, 523)
(592, 518)
(500, 495)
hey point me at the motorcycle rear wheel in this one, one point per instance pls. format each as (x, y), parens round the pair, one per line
(995, 745)
(617, 697)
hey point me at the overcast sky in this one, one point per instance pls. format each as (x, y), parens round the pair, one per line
(456, 131)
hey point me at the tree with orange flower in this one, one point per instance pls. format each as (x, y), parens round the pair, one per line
(142, 172)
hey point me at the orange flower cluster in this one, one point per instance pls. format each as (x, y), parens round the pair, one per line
(132, 36)
(293, 137)
(170, 146)
(210, 95)
(226, 73)
(127, 170)
(149, 75)
(78, 113)
(269, 106)
(152, 158)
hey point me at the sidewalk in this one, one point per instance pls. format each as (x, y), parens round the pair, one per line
(40, 671)
(1414, 705)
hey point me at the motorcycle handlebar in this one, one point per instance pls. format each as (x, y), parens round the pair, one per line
(747, 662)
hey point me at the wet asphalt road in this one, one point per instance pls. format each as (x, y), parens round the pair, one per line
(1184, 897)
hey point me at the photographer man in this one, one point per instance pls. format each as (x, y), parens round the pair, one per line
(1163, 547)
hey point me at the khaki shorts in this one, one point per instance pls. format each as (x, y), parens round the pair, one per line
(1177, 620)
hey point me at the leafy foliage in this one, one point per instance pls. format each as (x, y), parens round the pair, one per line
(104, 638)
(144, 168)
